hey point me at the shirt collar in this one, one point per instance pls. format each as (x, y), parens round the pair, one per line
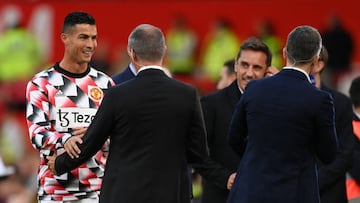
(241, 91)
(132, 68)
(151, 67)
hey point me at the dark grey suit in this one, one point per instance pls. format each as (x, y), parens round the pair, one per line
(156, 128)
(285, 123)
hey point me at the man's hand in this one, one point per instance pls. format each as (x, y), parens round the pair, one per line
(71, 146)
(231, 181)
(271, 71)
(51, 163)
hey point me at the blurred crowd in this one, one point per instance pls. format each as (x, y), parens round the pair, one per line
(190, 59)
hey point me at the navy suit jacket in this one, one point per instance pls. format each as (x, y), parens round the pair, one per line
(125, 75)
(156, 128)
(285, 123)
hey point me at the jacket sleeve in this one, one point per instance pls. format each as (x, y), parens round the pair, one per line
(210, 169)
(238, 129)
(326, 138)
(197, 148)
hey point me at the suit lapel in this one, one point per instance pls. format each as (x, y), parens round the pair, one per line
(233, 93)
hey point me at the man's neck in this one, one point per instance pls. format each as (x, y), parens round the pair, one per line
(73, 67)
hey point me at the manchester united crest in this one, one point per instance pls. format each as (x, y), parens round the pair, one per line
(95, 93)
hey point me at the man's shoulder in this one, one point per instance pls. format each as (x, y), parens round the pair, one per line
(123, 76)
(337, 95)
(218, 95)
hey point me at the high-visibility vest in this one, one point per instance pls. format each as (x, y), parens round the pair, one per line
(352, 187)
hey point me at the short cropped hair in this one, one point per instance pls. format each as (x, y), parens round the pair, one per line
(256, 44)
(229, 64)
(303, 44)
(148, 42)
(75, 18)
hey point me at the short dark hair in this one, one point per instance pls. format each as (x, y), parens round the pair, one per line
(256, 44)
(229, 64)
(354, 91)
(324, 56)
(77, 17)
(303, 44)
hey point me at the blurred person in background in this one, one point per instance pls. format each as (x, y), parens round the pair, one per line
(21, 57)
(353, 176)
(339, 44)
(181, 44)
(265, 31)
(227, 74)
(61, 102)
(221, 43)
(12, 187)
(332, 176)
(218, 172)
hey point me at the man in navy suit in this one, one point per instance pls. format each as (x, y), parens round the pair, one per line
(218, 172)
(281, 124)
(125, 75)
(155, 126)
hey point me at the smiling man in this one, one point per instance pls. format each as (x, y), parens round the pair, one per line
(61, 102)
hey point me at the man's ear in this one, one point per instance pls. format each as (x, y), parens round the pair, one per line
(284, 53)
(317, 65)
(63, 37)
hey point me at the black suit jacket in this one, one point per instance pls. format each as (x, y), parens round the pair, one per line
(332, 176)
(156, 128)
(285, 123)
(217, 109)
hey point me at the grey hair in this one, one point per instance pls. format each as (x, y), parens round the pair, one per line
(303, 44)
(148, 42)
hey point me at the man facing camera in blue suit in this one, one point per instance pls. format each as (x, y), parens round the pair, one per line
(279, 127)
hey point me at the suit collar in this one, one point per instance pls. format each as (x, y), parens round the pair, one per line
(233, 92)
(300, 70)
(294, 72)
(151, 67)
(132, 68)
(151, 71)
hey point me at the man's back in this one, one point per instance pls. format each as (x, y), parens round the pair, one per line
(148, 161)
(288, 122)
